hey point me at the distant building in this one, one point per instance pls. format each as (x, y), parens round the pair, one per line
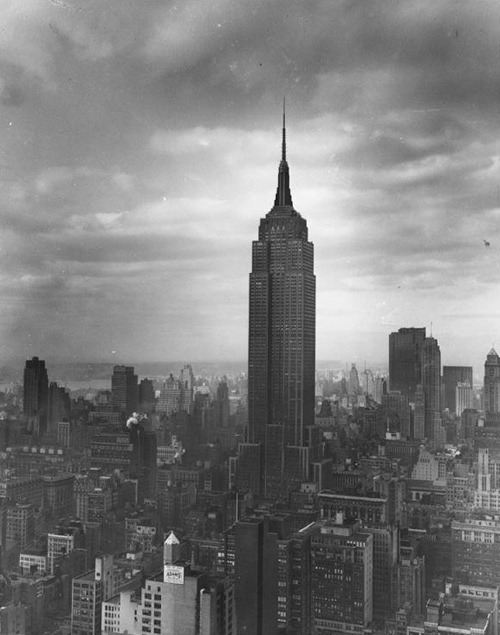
(147, 399)
(353, 385)
(431, 384)
(405, 360)
(491, 393)
(419, 414)
(35, 396)
(464, 397)
(487, 491)
(397, 413)
(59, 408)
(177, 394)
(65, 432)
(453, 375)
(124, 390)
(222, 405)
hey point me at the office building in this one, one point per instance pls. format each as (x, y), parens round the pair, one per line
(405, 360)
(255, 557)
(91, 589)
(353, 385)
(20, 526)
(59, 408)
(397, 413)
(408, 581)
(476, 550)
(384, 560)
(341, 577)
(176, 602)
(147, 398)
(35, 396)
(222, 405)
(281, 354)
(491, 393)
(487, 491)
(58, 495)
(452, 376)
(124, 390)
(61, 543)
(431, 384)
(464, 398)
(419, 414)
(177, 394)
(372, 510)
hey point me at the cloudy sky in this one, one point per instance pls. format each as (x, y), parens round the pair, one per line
(140, 142)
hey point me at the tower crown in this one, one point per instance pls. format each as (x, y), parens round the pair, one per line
(283, 194)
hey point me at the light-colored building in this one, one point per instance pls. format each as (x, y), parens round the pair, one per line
(177, 394)
(487, 492)
(58, 545)
(464, 397)
(178, 602)
(94, 588)
(430, 466)
(32, 562)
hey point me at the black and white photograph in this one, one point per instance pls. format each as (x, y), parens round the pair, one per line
(249, 317)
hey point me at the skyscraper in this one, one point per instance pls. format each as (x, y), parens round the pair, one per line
(341, 576)
(124, 389)
(35, 395)
(431, 384)
(281, 352)
(405, 360)
(453, 375)
(492, 383)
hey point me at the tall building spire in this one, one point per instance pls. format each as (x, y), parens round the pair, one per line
(283, 195)
(283, 142)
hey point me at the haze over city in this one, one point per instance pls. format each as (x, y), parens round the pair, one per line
(140, 144)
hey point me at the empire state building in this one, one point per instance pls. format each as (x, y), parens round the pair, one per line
(281, 354)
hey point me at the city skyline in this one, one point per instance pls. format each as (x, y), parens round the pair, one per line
(134, 147)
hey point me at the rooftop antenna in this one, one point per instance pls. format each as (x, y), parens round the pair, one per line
(431, 329)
